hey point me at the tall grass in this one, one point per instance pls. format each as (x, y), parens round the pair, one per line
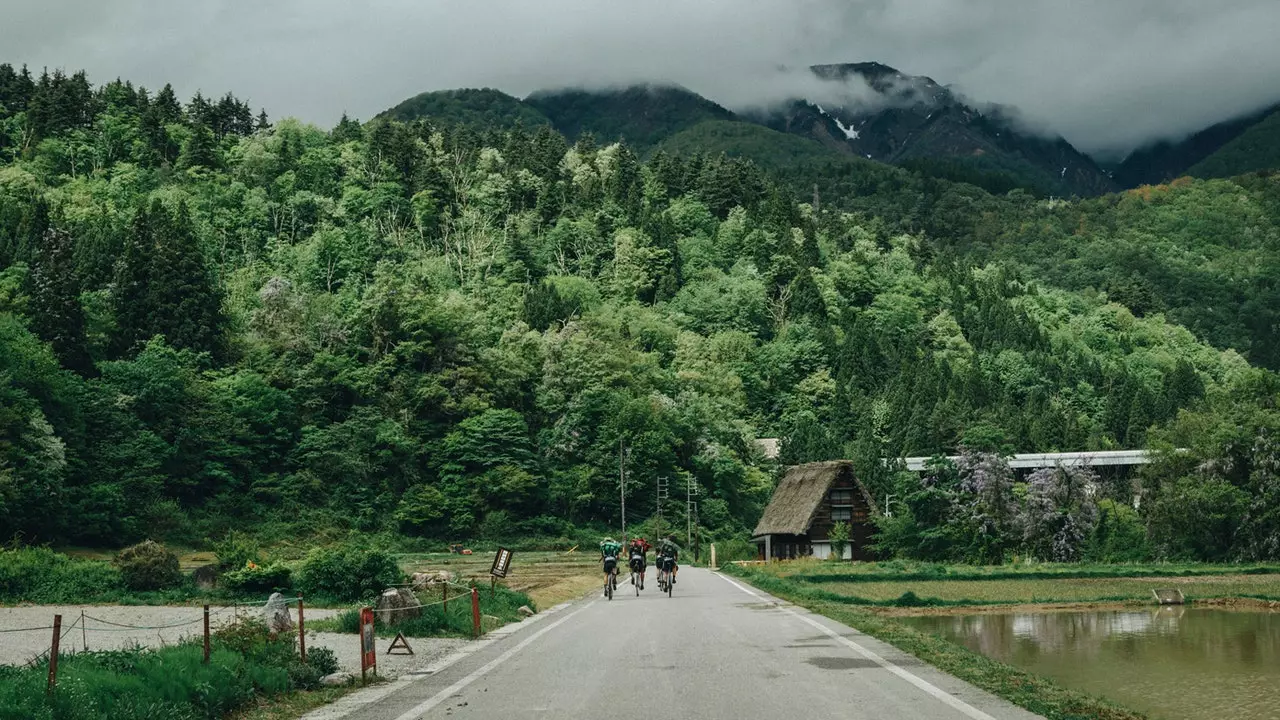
(165, 684)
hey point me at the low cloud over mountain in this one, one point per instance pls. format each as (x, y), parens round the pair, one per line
(1108, 76)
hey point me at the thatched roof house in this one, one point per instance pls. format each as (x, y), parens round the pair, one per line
(808, 501)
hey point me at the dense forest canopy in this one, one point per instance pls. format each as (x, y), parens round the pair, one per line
(210, 321)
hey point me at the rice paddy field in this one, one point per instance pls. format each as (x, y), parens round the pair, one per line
(548, 578)
(925, 585)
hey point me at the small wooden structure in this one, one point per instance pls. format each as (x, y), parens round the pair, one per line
(808, 501)
(1169, 596)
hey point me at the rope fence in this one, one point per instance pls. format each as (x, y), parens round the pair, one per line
(94, 624)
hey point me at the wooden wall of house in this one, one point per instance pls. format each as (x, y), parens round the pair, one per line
(860, 527)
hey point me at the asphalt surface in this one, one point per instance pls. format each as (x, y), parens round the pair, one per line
(716, 650)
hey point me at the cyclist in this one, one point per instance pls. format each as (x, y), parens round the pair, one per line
(639, 558)
(668, 549)
(609, 551)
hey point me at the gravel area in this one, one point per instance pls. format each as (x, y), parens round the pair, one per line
(347, 648)
(160, 626)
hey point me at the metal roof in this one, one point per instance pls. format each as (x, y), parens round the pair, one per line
(1096, 458)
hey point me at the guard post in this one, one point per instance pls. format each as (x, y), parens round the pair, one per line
(368, 652)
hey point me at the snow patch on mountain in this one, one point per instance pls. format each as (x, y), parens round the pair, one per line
(849, 131)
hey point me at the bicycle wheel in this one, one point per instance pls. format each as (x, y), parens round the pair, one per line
(670, 585)
(635, 580)
(608, 588)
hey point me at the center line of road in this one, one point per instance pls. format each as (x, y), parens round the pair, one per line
(426, 706)
(910, 677)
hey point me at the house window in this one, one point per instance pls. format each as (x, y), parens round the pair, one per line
(842, 514)
(841, 497)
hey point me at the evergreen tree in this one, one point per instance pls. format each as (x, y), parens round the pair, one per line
(347, 130)
(55, 301)
(131, 297)
(200, 150)
(186, 304)
(164, 288)
(168, 109)
(263, 122)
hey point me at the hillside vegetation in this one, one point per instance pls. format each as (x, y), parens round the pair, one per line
(1257, 148)
(210, 321)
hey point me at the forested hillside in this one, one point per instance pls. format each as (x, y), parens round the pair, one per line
(211, 321)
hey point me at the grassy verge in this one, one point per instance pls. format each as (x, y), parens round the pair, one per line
(245, 666)
(292, 706)
(1026, 690)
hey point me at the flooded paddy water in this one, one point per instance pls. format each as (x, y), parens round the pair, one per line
(1169, 662)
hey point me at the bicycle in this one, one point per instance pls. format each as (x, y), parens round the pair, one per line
(666, 565)
(635, 573)
(610, 576)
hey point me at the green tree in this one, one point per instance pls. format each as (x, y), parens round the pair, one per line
(55, 301)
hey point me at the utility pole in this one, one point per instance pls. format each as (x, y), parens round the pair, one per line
(664, 485)
(688, 513)
(623, 454)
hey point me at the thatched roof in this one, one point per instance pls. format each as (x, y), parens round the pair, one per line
(799, 495)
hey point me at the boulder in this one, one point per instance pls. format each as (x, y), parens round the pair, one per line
(205, 576)
(395, 605)
(525, 611)
(422, 580)
(338, 678)
(276, 614)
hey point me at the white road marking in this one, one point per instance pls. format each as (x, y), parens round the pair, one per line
(357, 701)
(910, 677)
(426, 706)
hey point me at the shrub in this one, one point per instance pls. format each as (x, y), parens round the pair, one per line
(733, 549)
(908, 599)
(236, 551)
(839, 537)
(259, 578)
(43, 576)
(148, 566)
(348, 572)
(323, 659)
(304, 676)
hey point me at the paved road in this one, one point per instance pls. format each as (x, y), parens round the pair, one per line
(717, 650)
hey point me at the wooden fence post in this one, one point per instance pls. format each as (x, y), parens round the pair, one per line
(53, 654)
(446, 599)
(302, 635)
(206, 634)
(475, 611)
(84, 639)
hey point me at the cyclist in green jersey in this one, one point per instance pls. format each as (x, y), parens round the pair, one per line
(668, 549)
(610, 549)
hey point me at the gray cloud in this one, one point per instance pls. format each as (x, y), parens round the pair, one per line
(1107, 74)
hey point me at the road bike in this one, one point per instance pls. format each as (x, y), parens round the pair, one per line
(636, 562)
(610, 577)
(665, 576)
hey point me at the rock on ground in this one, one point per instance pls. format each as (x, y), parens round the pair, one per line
(395, 605)
(276, 614)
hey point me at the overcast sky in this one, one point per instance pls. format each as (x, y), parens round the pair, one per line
(1106, 74)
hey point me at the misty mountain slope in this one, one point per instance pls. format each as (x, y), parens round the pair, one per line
(915, 118)
(643, 115)
(1257, 148)
(766, 147)
(1164, 161)
(476, 107)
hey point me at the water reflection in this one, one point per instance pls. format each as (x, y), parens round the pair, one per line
(1171, 662)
